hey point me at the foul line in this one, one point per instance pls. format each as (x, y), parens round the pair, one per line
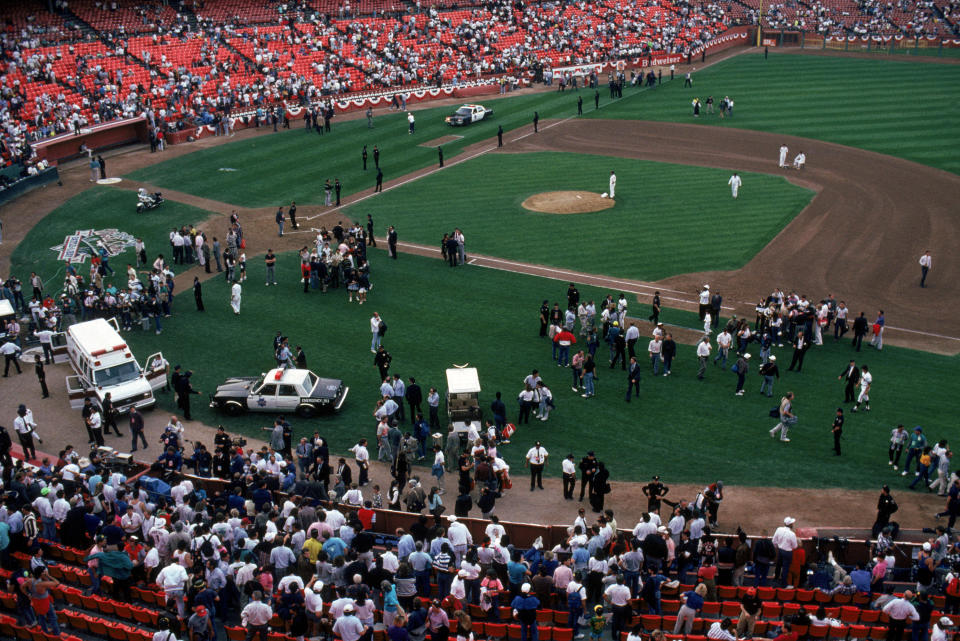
(532, 269)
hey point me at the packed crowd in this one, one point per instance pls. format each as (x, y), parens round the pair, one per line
(263, 547)
(185, 69)
(908, 18)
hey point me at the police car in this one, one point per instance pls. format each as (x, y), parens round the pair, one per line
(467, 114)
(280, 390)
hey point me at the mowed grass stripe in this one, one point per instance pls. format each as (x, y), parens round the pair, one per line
(662, 216)
(896, 108)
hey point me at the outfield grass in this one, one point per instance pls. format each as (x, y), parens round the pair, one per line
(99, 208)
(681, 428)
(667, 212)
(293, 165)
(905, 109)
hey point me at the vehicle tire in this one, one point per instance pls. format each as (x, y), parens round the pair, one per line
(306, 410)
(232, 408)
(139, 209)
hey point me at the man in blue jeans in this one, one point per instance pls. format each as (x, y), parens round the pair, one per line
(785, 540)
(525, 610)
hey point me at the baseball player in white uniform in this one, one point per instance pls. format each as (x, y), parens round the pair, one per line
(734, 183)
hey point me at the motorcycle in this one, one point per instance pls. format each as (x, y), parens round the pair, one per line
(146, 202)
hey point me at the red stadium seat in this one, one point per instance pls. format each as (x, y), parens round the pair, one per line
(842, 599)
(838, 631)
(711, 609)
(770, 610)
(726, 592)
(786, 594)
(544, 617)
(822, 597)
(804, 596)
(563, 634)
(849, 614)
(869, 616)
(513, 632)
(651, 622)
(545, 632)
(235, 633)
(766, 593)
(561, 619)
(730, 609)
(670, 606)
(496, 630)
(818, 631)
(859, 632)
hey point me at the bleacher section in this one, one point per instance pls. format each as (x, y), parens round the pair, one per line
(105, 617)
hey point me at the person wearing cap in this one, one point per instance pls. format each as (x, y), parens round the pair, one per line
(749, 609)
(704, 300)
(940, 628)
(743, 366)
(525, 607)
(200, 625)
(769, 372)
(785, 540)
(837, 430)
(536, 459)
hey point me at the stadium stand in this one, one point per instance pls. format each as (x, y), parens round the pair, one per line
(182, 63)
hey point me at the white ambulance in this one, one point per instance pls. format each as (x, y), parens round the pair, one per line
(104, 363)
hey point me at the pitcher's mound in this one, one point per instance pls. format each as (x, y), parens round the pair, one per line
(567, 202)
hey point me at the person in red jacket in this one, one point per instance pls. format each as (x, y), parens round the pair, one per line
(564, 339)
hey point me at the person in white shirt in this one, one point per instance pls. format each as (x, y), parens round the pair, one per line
(375, 331)
(494, 530)
(703, 353)
(866, 382)
(362, 457)
(724, 339)
(236, 294)
(618, 596)
(536, 460)
(613, 185)
(926, 262)
(939, 632)
(173, 579)
(800, 160)
(735, 183)
(569, 469)
(720, 630)
(783, 156)
(899, 611)
(785, 540)
(460, 537)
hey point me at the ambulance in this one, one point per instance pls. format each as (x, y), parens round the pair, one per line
(103, 362)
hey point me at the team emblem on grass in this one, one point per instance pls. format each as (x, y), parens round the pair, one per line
(80, 245)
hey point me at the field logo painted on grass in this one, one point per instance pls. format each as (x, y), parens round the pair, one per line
(79, 245)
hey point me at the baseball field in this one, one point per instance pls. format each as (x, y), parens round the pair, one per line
(879, 188)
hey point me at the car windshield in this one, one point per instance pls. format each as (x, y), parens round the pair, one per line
(311, 381)
(464, 111)
(117, 374)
